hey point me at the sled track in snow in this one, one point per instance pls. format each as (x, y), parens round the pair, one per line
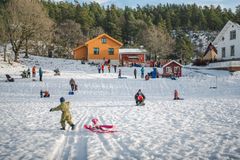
(74, 145)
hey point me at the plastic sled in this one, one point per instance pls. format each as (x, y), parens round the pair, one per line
(70, 93)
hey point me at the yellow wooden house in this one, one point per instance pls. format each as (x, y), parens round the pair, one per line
(102, 47)
(210, 54)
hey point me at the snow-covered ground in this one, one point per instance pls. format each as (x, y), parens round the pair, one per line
(205, 125)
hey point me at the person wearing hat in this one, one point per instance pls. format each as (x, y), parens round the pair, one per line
(139, 97)
(66, 115)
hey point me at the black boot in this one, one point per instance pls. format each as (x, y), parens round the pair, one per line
(63, 128)
(73, 126)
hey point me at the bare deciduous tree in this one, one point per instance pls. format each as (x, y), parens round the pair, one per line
(25, 20)
(158, 42)
(68, 35)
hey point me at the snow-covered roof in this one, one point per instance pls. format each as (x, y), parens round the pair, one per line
(225, 28)
(171, 62)
(132, 51)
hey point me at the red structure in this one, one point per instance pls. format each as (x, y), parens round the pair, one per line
(132, 56)
(172, 68)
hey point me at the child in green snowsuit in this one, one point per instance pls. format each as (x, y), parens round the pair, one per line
(66, 115)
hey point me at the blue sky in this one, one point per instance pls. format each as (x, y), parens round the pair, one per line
(133, 3)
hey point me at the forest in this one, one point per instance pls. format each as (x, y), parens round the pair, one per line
(47, 26)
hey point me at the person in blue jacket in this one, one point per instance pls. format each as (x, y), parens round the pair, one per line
(142, 72)
(40, 74)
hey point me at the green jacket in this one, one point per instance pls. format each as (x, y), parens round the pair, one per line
(64, 107)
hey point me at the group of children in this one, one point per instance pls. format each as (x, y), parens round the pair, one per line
(101, 68)
(140, 97)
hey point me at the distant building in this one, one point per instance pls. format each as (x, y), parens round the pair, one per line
(228, 42)
(172, 68)
(210, 53)
(103, 47)
(129, 56)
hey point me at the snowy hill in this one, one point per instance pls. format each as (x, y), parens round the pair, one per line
(205, 125)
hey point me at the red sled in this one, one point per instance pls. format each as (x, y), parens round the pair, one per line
(100, 128)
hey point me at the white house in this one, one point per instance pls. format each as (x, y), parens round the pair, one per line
(227, 42)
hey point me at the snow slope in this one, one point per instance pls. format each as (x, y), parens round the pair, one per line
(203, 126)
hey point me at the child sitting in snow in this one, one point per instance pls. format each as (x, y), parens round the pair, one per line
(176, 95)
(44, 94)
(95, 123)
(139, 97)
(66, 115)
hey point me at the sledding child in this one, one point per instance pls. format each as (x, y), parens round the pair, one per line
(66, 115)
(139, 97)
(176, 95)
(44, 94)
(95, 123)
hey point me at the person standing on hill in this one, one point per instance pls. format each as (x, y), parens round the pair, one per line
(99, 68)
(119, 73)
(142, 72)
(109, 68)
(115, 68)
(40, 74)
(102, 68)
(135, 73)
(73, 84)
(66, 115)
(28, 73)
(33, 71)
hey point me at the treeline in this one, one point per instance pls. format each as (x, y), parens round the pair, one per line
(121, 22)
(60, 26)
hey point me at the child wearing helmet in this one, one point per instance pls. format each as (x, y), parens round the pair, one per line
(66, 115)
(139, 97)
(95, 123)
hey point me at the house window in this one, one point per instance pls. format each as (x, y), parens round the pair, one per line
(223, 52)
(168, 69)
(232, 51)
(96, 51)
(104, 40)
(232, 35)
(111, 51)
(176, 69)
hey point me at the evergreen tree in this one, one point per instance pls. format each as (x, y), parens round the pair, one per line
(184, 48)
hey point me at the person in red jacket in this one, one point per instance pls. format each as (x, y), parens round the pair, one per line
(33, 71)
(102, 68)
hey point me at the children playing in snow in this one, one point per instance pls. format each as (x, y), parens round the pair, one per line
(66, 115)
(139, 97)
